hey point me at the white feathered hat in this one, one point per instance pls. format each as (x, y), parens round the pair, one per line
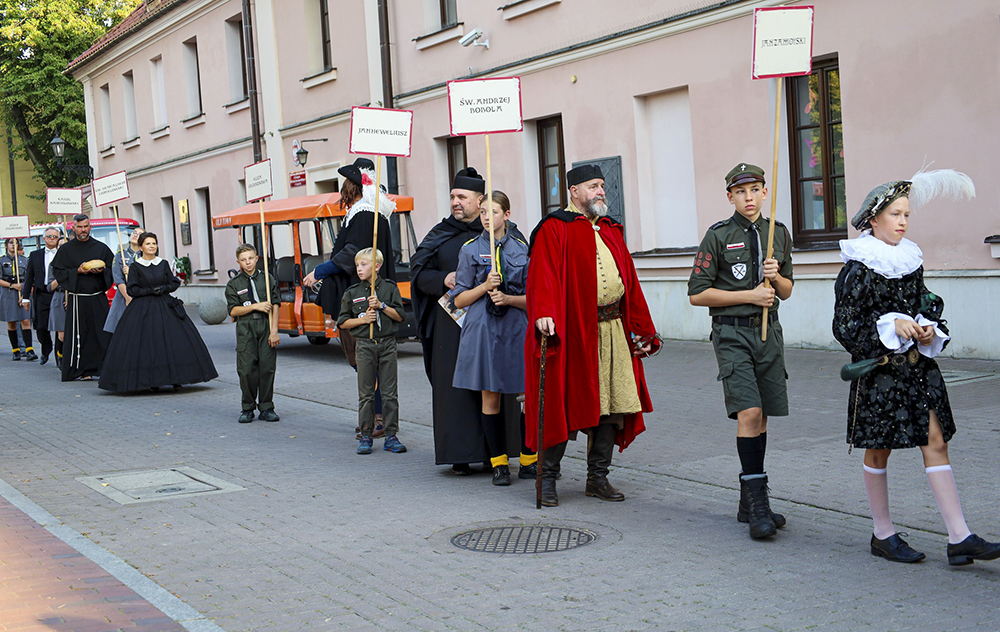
(923, 187)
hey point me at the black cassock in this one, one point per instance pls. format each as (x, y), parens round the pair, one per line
(458, 431)
(86, 306)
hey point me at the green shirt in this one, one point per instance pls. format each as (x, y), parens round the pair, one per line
(238, 292)
(355, 303)
(724, 261)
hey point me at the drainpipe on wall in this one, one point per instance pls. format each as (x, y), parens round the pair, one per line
(251, 82)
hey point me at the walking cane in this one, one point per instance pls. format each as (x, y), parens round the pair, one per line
(541, 424)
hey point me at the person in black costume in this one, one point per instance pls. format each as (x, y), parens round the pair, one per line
(37, 287)
(155, 343)
(458, 433)
(891, 324)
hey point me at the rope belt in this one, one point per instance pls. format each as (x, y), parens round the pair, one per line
(74, 352)
(609, 312)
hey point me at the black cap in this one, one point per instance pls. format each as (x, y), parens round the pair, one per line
(470, 180)
(353, 172)
(583, 173)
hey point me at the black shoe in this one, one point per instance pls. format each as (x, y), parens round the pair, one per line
(759, 517)
(743, 511)
(460, 469)
(528, 471)
(601, 488)
(501, 475)
(59, 361)
(177, 387)
(972, 548)
(17, 356)
(895, 549)
(268, 415)
(30, 355)
(246, 416)
(45, 359)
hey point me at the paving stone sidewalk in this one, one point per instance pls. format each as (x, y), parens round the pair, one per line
(322, 539)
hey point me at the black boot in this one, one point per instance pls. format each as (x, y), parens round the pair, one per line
(551, 463)
(761, 524)
(600, 447)
(743, 512)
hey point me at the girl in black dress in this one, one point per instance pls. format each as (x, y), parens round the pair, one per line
(155, 343)
(885, 315)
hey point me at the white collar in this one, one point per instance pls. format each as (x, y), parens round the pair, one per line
(150, 262)
(892, 262)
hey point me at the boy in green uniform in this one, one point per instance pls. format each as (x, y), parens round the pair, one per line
(728, 278)
(376, 356)
(249, 302)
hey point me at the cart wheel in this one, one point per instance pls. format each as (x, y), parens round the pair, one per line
(318, 340)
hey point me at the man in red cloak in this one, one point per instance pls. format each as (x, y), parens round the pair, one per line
(583, 293)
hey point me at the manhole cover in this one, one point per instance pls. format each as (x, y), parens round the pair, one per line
(523, 539)
(954, 376)
(147, 485)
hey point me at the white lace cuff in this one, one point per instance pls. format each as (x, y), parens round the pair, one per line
(937, 343)
(886, 326)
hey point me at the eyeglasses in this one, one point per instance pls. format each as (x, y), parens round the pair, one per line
(50, 236)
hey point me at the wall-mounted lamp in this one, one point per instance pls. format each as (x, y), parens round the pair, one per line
(302, 154)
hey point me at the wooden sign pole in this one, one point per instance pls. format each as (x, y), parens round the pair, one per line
(121, 247)
(378, 194)
(267, 273)
(489, 207)
(774, 195)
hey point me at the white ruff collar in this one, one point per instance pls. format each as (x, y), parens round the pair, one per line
(892, 262)
(150, 262)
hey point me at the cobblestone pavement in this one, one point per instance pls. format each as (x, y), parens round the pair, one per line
(322, 539)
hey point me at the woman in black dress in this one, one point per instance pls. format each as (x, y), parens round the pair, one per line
(155, 343)
(891, 324)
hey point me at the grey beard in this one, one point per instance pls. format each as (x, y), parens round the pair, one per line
(596, 208)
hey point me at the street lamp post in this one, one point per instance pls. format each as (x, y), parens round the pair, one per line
(58, 146)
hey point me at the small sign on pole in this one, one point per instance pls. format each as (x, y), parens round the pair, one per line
(782, 47)
(485, 106)
(110, 189)
(63, 201)
(14, 227)
(257, 179)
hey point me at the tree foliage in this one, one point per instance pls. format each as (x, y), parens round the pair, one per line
(38, 39)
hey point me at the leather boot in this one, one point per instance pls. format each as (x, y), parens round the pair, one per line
(761, 524)
(551, 460)
(743, 512)
(600, 447)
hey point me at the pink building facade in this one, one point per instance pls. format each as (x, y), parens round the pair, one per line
(661, 95)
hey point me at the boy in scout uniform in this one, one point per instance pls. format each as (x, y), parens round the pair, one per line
(249, 303)
(376, 355)
(728, 278)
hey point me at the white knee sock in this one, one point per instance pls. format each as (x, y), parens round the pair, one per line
(877, 486)
(942, 481)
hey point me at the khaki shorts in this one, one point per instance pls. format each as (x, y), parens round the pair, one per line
(752, 372)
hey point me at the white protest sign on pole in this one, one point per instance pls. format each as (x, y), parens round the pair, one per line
(14, 227)
(63, 201)
(110, 189)
(381, 131)
(484, 106)
(257, 179)
(782, 42)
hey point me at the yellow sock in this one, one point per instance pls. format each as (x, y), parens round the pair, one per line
(527, 459)
(499, 460)
(26, 349)
(17, 350)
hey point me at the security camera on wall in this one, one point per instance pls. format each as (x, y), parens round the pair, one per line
(472, 37)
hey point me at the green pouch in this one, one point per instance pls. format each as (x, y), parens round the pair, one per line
(854, 370)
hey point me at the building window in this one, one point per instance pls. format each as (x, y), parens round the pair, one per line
(236, 53)
(159, 93)
(318, 46)
(816, 155)
(192, 78)
(128, 95)
(551, 164)
(449, 13)
(457, 159)
(168, 240)
(106, 131)
(139, 214)
(324, 34)
(207, 245)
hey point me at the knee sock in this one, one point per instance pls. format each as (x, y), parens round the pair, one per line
(763, 443)
(26, 335)
(59, 346)
(14, 346)
(877, 486)
(527, 457)
(942, 481)
(751, 454)
(493, 429)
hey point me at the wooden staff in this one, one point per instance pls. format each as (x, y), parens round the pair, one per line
(489, 207)
(774, 195)
(267, 274)
(541, 424)
(121, 247)
(378, 194)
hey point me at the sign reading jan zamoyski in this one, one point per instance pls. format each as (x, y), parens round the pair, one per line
(782, 42)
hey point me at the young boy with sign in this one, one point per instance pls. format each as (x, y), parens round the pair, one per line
(249, 302)
(360, 308)
(728, 278)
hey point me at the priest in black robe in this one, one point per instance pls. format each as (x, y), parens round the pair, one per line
(86, 301)
(458, 433)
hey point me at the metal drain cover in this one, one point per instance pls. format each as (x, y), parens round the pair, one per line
(147, 485)
(527, 539)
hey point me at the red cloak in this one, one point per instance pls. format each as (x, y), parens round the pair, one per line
(562, 285)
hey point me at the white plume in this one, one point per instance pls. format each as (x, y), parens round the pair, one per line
(367, 202)
(948, 183)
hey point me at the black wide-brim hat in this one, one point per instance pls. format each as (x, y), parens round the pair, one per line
(353, 172)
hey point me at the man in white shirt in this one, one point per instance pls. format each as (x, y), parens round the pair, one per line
(37, 287)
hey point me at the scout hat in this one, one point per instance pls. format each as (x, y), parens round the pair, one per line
(583, 173)
(743, 173)
(470, 180)
(920, 189)
(353, 172)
